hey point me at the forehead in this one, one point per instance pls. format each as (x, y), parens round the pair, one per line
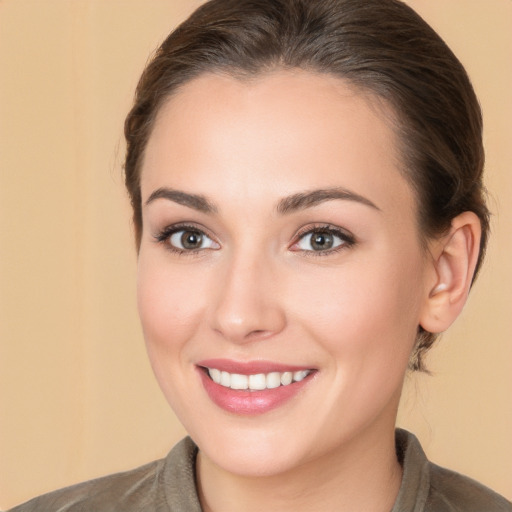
(286, 129)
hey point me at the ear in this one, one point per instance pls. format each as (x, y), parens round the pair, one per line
(454, 260)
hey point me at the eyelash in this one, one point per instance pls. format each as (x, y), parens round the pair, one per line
(347, 239)
(163, 237)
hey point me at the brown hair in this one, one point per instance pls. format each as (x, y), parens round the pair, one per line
(381, 46)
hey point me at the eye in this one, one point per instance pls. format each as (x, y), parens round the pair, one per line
(191, 240)
(183, 239)
(323, 239)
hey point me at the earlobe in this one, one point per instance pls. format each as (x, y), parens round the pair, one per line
(455, 258)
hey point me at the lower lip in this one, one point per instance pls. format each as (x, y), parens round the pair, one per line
(249, 403)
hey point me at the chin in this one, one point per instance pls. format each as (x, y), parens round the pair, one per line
(258, 456)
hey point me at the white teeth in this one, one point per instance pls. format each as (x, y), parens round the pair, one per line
(239, 381)
(257, 382)
(225, 379)
(286, 378)
(300, 375)
(273, 380)
(215, 375)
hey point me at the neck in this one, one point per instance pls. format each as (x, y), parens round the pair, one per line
(364, 475)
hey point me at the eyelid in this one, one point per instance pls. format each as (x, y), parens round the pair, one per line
(175, 241)
(163, 236)
(347, 238)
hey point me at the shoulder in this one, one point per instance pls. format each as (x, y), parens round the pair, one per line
(154, 487)
(102, 494)
(427, 487)
(451, 491)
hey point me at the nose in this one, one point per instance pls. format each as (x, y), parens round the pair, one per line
(248, 307)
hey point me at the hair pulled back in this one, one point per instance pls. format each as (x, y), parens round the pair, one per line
(381, 46)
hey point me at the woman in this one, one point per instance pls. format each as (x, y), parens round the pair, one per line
(306, 182)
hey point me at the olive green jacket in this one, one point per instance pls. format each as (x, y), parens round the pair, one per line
(168, 485)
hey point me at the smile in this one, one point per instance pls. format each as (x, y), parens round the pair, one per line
(254, 387)
(258, 381)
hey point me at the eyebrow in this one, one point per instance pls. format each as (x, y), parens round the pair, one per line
(286, 205)
(195, 201)
(307, 199)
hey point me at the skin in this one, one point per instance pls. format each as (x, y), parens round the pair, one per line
(256, 289)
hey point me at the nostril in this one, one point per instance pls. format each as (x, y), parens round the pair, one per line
(259, 333)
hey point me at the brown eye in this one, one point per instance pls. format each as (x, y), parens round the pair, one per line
(191, 240)
(322, 241)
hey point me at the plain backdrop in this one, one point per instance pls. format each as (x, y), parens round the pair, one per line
(77, 396)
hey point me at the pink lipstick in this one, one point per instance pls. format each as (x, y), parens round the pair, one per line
(250, 388)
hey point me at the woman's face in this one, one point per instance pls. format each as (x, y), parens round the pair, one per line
(280, 253)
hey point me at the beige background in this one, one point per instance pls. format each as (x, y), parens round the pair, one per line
(77, 397)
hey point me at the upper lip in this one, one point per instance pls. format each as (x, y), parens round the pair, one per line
(250, 367)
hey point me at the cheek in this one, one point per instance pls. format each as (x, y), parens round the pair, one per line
(365, 310)
(169, 305)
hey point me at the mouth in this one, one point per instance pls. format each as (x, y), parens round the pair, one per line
(256, 381)
(252, 388)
